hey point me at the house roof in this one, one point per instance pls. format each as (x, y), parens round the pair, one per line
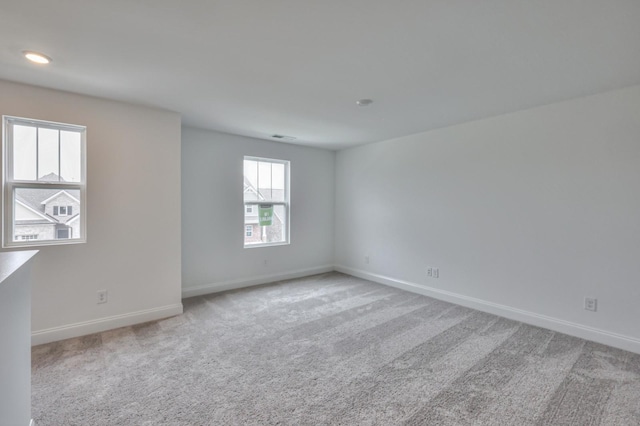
(44, 218)
(63, 191)
(51, 177)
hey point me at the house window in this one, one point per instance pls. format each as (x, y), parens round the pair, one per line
(63, 234)
(248, 231)
(266, 192)
(62, 210)
(27, 237)
(44, 182)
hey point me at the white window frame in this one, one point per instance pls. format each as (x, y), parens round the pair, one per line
(286, 203)
(248, 230)
(9, 185)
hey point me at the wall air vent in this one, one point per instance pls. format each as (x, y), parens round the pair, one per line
(284, 138)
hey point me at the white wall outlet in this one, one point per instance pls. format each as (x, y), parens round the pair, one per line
(430, 271)
(591, 304)
(436, 272)
(366, 259)
(103, 296)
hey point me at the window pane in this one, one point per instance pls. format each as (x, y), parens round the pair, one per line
(277, 182)
(264, 180)
(70, 156)
(38, 213)
(24, 152)
(250, 180)
(251, 223)
(48, 151)
(274, 233)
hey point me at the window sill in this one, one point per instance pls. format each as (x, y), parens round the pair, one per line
(32, 244)
(260, 245)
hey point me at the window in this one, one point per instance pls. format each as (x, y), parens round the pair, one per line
(44, 183)
(62, 210)
(266, 192)
(248, 231)
(63, 234)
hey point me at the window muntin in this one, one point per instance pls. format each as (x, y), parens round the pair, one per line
(62, 210)
(266, 190)
(44, 182)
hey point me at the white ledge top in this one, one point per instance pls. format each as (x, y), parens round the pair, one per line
(11, 261)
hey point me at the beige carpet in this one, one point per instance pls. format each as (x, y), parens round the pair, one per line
(332, 349)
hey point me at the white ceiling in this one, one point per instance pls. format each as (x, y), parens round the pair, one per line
(296, 67)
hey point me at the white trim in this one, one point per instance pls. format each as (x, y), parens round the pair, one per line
(262, 245)
(9, 184)
(59, 192)
(32, 423)
(265, 159)
(248, 282)
(286, 192)
(54, 334)
(73, 219)
(620, 341)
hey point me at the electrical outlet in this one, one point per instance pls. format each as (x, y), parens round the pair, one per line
(366, 260)
(102, 296)
(430, 271)
(591, 304)
(436, 272)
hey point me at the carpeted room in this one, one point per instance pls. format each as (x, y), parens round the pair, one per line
(439, 243)
(332, 349)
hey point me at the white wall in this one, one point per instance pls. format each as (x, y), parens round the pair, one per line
(213, 257)
(15, 335)
(133, 221)
(525, 214)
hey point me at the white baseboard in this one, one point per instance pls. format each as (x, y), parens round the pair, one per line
(248, 282)
(102, 324)
(573, 329)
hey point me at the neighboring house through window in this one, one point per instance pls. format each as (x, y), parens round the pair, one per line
(266, 201)
(44, 182)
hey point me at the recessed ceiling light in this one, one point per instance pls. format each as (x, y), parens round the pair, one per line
(36, 57)
(364, 102)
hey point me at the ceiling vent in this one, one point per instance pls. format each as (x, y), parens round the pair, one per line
(284, 138)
